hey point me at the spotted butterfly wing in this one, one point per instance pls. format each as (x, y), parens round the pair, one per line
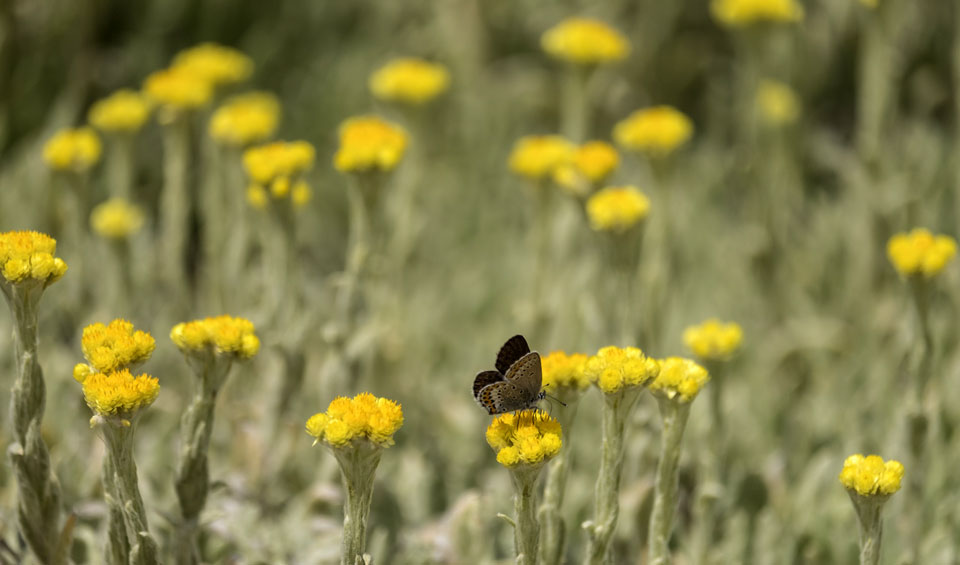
(526, 373)
(484, 379)
(503, 396)
(511, 352)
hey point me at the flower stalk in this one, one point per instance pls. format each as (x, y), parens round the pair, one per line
(358, 466)
(174, 201)
(526, 533)
(553, 532)
(674, 417)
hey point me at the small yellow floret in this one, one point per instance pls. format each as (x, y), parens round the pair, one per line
(364, 416)
(278, 160)
(679, 379)
(540, 156)
(525, 438)
(613, 368)
(74, 150)
(409, 80)
(177, 90)
(124, 111)
(115, 346)
(214, 63)
(920, 253)
(119, 393)
(81, 371)
(713, 340)
(617, 208)
(257, 197)
(592, 163)
(585, 41)
(871, 476)
(222, 335)
(245, 119)
(562, 370)
(656, 131)
(369, 143)
(301, 194)
(116, 218)
(778, 103)
(740, 13)
(29, 255)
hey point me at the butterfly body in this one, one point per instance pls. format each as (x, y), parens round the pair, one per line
(515, 384)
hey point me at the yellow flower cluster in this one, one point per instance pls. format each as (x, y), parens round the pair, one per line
(116, 218)
(679, 379)
(223, 335)
(409, 80)
(656, 131)
(525, 438)
(713, 340)
(177, 90)
(119, 393)
(920, 253)
(617, 208)
(112, 347)
(369, 143)
(777, 102)
(364, 416)
(74, 150)
(585, 41)
(613, 369)
(214, 64)
(564, 371)
(124, 111)
(591, 163)
(245, 119)
(539, 156)
(870, 475)
(30, 255)
(277, 166)
(739, 13)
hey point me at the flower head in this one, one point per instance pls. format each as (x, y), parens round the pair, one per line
(222, 335)
(245, 119)
(777, 102)
(29, 256)
(409, 80)
(565, 371)
(119, 393)
(526, 438)
(116, 219)
(585, 41)
(214, 63)
(369, 143)
(591, 164)
(713, 340)
(617, 208)
(177, 90)
(741, 13)
(539, 156)
(72, 150)
(613, 369)
(920, 253)
(871, 476)
(364, 416)
(656, 131)
(124, 111)
(679, 379)
(277, 166)
(113, 347)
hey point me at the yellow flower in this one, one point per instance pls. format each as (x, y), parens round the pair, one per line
(562, 370)
(409, 80)
(585, 41)
(613, 369)
(214, 63)
(301, 194)
(539, 156)
(245, 119)
(222, 335)
(617, 208)
(920, 253)
(364, 416)
(369, 143)
(871, 476)
(74, 150)
(177, 90)
(115, 346)
(680, 379)
(777, 102)
(525, 438)
(713, 340)
(29, 255)
(257, 197)
(656, 131)
(116, 218)
(739, 13)
(592, 163)
(124, 111)
(277, 166)
(119, 393)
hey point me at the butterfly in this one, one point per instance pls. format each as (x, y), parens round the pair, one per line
(515, 384)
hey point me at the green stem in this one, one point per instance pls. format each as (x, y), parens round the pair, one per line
(674, 416)
(526, 534)
(711, 487)
(175, 201)
(576, 103)
(118, 546)
(358, 465)
(869, 509)
(120, 170)
(553, 533)
(118, 437)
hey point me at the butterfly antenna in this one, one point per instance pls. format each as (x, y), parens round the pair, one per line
(551, 397)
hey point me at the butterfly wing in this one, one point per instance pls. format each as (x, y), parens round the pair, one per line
(511, 352)
(527, 374)
(483, 379)
(503, 396)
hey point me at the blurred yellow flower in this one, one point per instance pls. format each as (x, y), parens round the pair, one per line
(537, 157)
(364, 416)
(214, 63)
(617, 208)
(656, 131)
(176, 90)
(679, 379)
(591, 164)
(74, 150)
(116, 218)
(613, 369)
(222, 335)
(29, 256)
(301, 194)
(871, 476)
(124, 111)
(713, 340)
(114, 346)
(777, 102)
(409, 80)
(369, 143)
(921, 253)
(585, 41)
(119, 394)
(525, 438)
(257, 197)
(277, 167)
(245, 119)
(738, 13)
(564, 371)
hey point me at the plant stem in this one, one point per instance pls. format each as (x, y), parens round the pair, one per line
(554, 527)
(175, 201)
(526, 534)
(358, 465)
(576, 103)
(711, 488)
(120, 170)
(869, 509)
(674, 416)
(118, 546)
